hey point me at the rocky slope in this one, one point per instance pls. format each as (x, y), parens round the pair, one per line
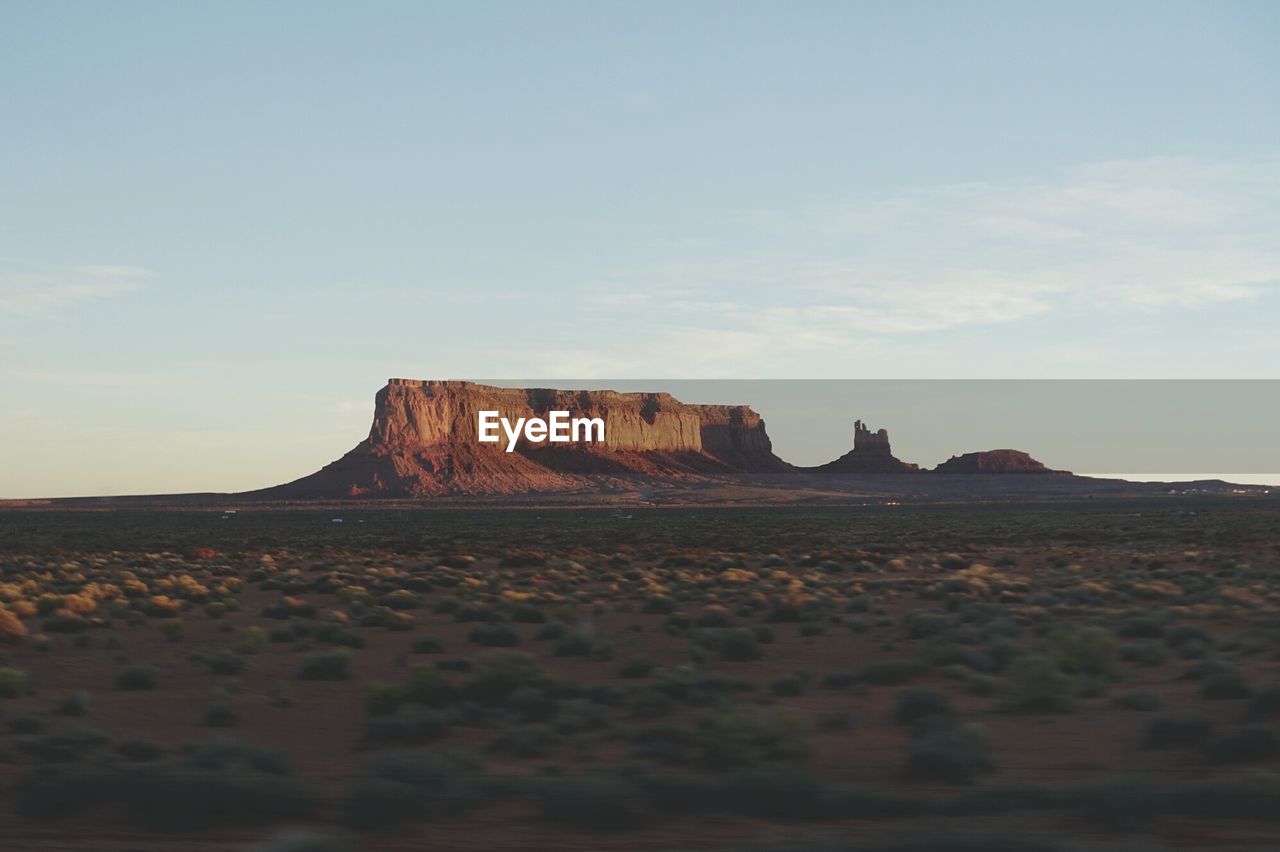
(870, 454)
(994, 461)
(425, 441)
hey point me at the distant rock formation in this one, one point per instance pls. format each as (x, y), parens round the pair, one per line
(870, 454)
(425, 441)
(994, 461)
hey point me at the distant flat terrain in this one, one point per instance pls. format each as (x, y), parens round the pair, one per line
(1093, 673)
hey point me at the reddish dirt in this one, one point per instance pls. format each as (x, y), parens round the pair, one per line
(320, 730)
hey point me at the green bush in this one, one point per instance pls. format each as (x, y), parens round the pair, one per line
(427, 645)
(253, 640)
(226, 663)
(24, 725)
(1121, 803)
(777, 792)
(408, 724)
(636, 667)
(551, 631)
(1187, 634)
(745, 736)
(596, 802)
(381, 803)
(15, 683)
(1244, 746)
(494, 636)
(335, 665)
(1086, 650)
(789, 685)
(69, 745)
(948, 753)
(526, 741)
(1174, 730)
(712, 618)
(1265, 704)
(528, 614)
(58, 790)
(891, 672)
(919, 703)
(1036, 684)
(737, 644)
(75, 704)
(410, 786)
(500, 673)
(1143, 702)
(335, 634)
(139, 750)
(1225, 686)
(429, 687)
(207, 786)
(658, 605)
(837, 680)
(1144, 653)
(1140, 627)
(572, 644)
(220, 716)
(137, 677)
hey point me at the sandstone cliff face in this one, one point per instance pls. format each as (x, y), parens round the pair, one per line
(425, 440)
(735, 435)
(433, 413)
(870, 454)
(994, 461)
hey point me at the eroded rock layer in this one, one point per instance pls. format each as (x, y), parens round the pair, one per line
(870, 454)
(994, 461)
(425, 440)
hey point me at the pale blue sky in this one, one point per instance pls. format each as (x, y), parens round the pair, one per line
(224, 225)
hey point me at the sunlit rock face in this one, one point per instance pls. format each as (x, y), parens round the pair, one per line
(425, 440)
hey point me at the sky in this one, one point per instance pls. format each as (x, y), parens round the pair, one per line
(224, 225)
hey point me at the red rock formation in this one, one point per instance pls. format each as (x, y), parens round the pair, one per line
(735, 435)
(994, 461)
(870, 454)
(425, 440)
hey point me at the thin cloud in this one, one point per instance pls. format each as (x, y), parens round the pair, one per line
(1119, 238)
(49, 291)
(1126, 236)
(91, 378)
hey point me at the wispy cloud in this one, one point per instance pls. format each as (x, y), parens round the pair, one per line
(94, 378)
(1127, 236)
(45, 291)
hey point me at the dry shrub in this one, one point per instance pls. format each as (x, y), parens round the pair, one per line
(11, 627)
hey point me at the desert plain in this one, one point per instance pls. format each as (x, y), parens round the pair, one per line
(1040, 674)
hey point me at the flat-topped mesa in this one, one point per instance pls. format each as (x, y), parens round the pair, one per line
(425, 440)
(435, 413)
(870, 454)
(994, 461)
(735, 435)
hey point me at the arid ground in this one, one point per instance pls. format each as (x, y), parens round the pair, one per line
(1055, 675)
